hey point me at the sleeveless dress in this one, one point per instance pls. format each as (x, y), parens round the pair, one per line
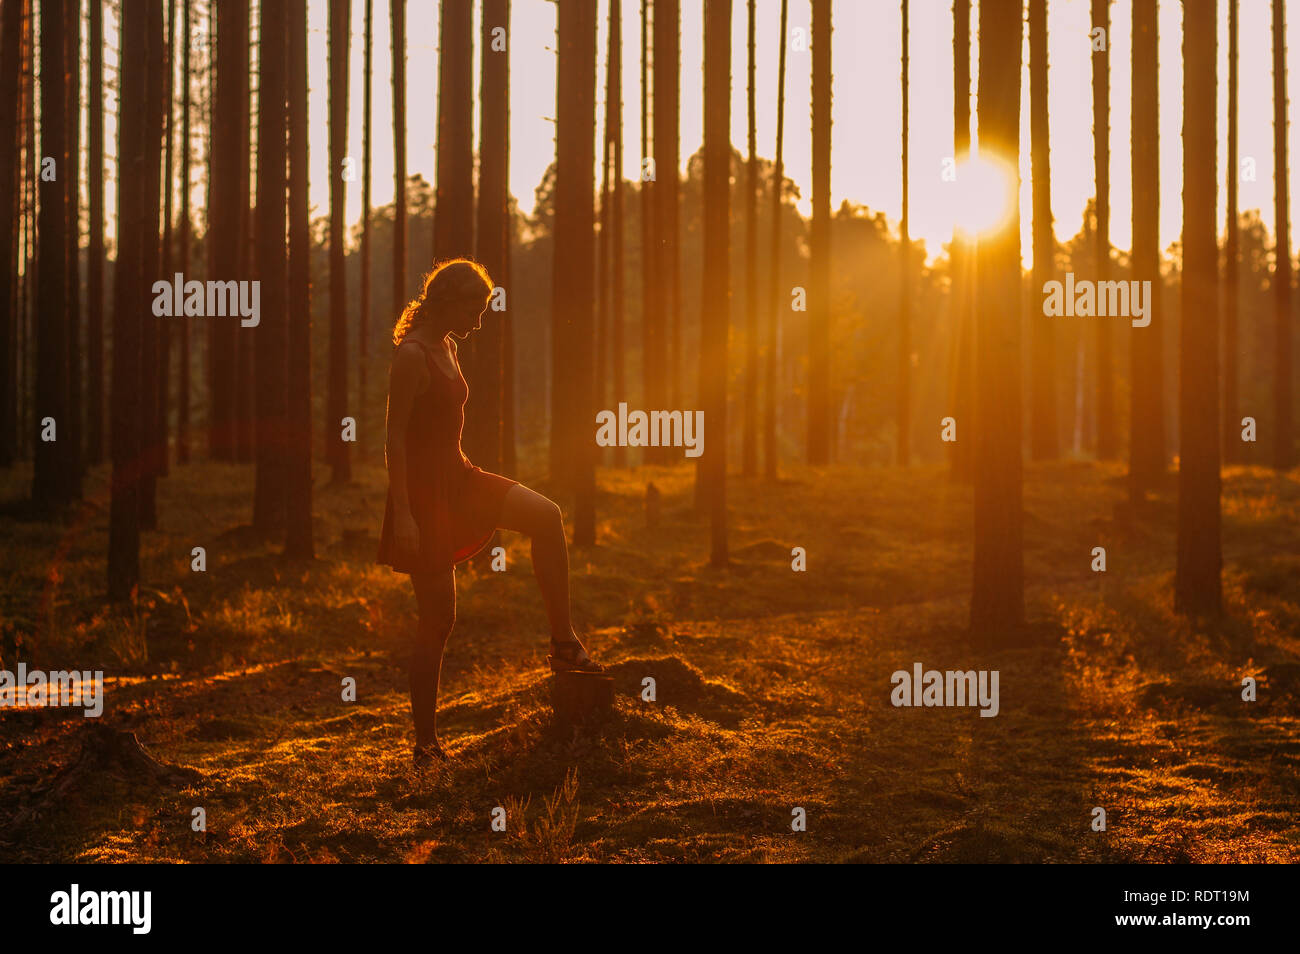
(455, 504)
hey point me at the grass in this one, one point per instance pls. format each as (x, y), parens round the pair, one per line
(772, 686)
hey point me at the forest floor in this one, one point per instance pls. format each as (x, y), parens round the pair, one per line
(773, 686)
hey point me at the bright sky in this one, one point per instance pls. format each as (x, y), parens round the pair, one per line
(867, 107)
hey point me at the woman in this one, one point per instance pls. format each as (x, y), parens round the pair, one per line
(441, 509)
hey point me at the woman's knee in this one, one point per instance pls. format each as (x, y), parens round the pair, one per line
(530, 513)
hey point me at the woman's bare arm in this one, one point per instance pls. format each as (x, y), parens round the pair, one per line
(407, 377)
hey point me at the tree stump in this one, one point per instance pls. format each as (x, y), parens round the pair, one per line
(110, 752)
(577, 697)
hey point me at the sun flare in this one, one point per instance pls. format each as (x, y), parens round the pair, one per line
(985, 195)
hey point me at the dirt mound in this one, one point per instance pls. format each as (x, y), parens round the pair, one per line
(679, 684)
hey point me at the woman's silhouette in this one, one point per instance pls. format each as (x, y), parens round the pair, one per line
(442, 509)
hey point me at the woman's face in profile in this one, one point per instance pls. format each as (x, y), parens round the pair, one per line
(464, 316)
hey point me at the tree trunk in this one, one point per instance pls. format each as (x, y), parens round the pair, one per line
(1197, 583)
(227, 201)
(493, 238)
(819, 243)
(398, 16)
(298, 542)
(340, 26)
(1284, 443)
(715, 302)
(749, 445)
(129, 304)
(75, 437)
(617, 310)
(49, 482)
(11, 65)
(272, 333)
(244, 350)
(1107, 433)
(1146, 415)
(1042, 427)
(904, 450)
(453, 221)
(168, 237)
(183, 243)
(363, 319)
(962, 393)
(998, 592)
(667, 269)
(155, 103)
(652, 340)
(774, 296)
(571, 308)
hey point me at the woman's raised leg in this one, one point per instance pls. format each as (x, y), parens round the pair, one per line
(528, 512)
(435, 595)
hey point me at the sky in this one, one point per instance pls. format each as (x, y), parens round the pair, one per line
(866, 131)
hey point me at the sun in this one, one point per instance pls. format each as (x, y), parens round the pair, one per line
(985, 195)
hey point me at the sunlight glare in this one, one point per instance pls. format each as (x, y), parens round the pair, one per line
(985, 192)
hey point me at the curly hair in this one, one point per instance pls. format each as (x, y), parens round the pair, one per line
(452, 280)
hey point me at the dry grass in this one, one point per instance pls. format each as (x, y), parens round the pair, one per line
(772, 686)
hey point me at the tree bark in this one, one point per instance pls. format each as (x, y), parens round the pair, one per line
(1284, 443)
(1197, 576)
(819, 243)
(272, 333)
(338, 455)
(1043, 431)
(715, 301)
(998, 592)
(1146, 415)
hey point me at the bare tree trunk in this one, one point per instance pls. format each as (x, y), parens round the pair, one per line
(617, 311)
(1284, 444)
(749, 446)
(962, 393)
(225, 240)
(493, 239)
(571, 308)
(715, 302)
(363, 330)
(398, 12)
(298, 542)
(272, 333)
(998, 591)
(155, 102)
(164, 326)
(135, 230)
(1197, 579)
(245, 349)
(1107, 432)
(819, 244)
(652, 339)
(1043, 432)
(770, 396)
(49, 483)
(337, 399)
(183, 242)
(11, 66)
(667, 269)
(1147, 423)
(75, 438)
(905, 283)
